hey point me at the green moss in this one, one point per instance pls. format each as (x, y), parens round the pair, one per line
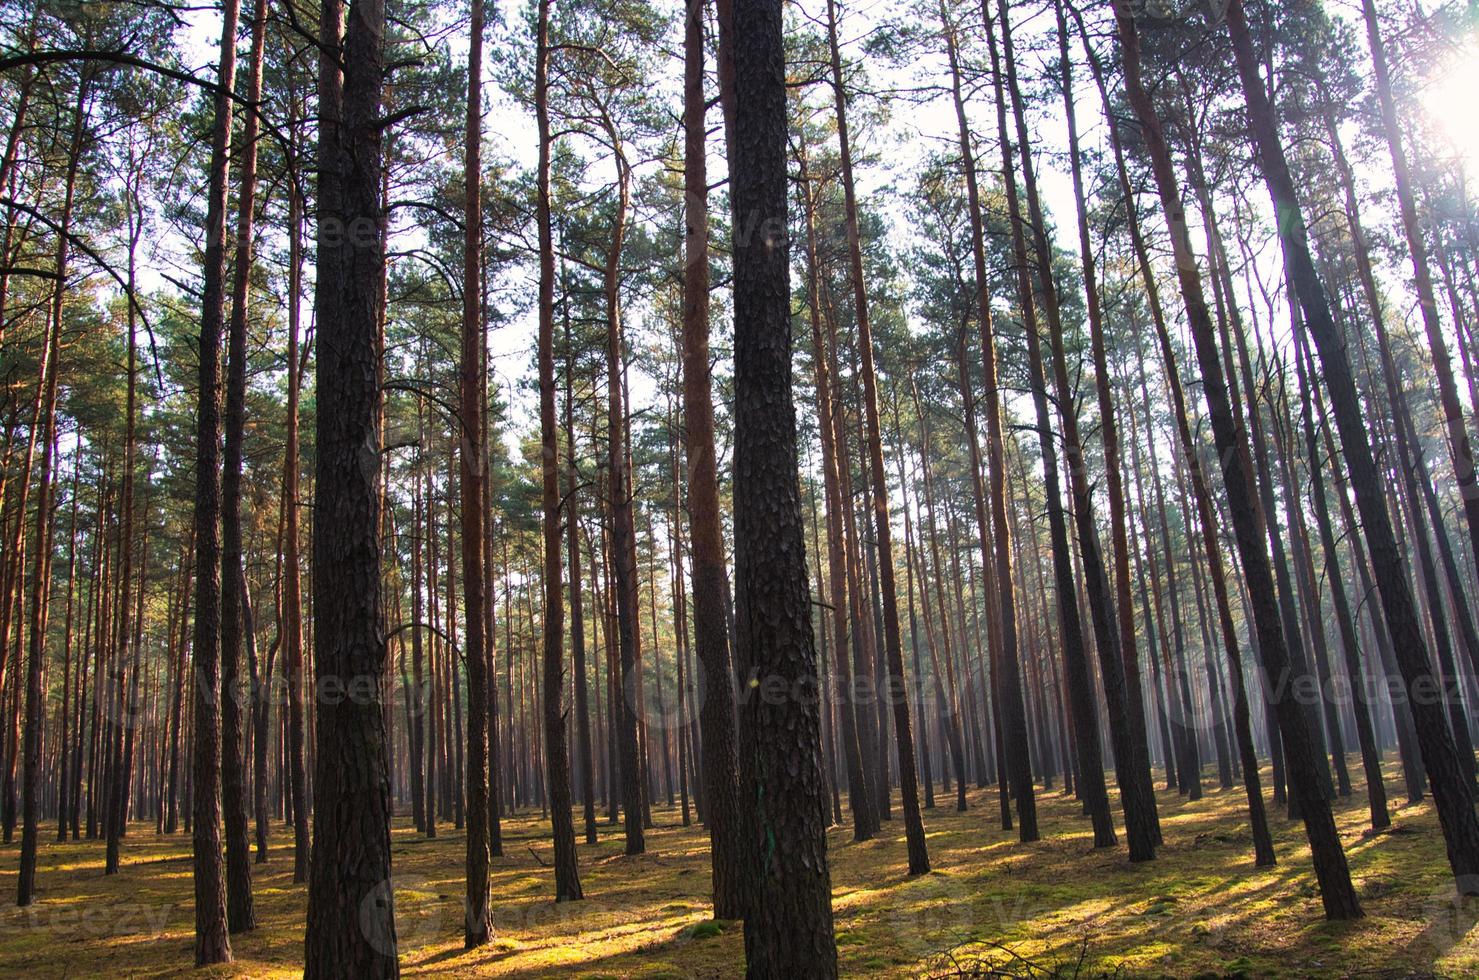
(1200, 908)
(705, 930)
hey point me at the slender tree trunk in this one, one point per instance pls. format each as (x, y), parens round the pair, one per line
(584, 760)
(211, 942)
(713, 689)
(292, 594)
(1207, 517)
(893, 640)
(62, 775)
(1126, 705)
(1011, 716)
(557, 755)
(1376, 793)
(40, 584)
(1451, 791)
(235, 686)
(477, 924)
(1075, 653)
(1337, 892)
(860, 802)
(1453, 415)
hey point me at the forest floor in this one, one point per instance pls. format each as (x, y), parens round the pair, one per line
(1200, 909)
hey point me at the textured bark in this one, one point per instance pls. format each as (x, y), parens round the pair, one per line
(351, 921)
(556, 748)
(477, 928)
(788, 931)
(714, 687)
(237, 695)
(211, 942)
(1337, 892)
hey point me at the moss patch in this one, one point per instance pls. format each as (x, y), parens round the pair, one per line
(1201, 908)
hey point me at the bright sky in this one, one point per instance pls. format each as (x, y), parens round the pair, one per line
(923, 124)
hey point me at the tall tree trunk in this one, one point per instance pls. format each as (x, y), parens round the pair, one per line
(1451, 791)
(292, 592)
(1376, 794)
(351, 919)
(477, 923)
(623, 529)
(1453, 415)
(63, 729)
(1206, 514)
(713, 687)
(788, 931)
(1075, 652)
(584, 762)
(1122, 685)
(236, 689)
(948, 703)
(859, 799)
(919, 861)
(557, 755)
(211, 942)
(1011, 715)
(1336, 890)
(40, 584)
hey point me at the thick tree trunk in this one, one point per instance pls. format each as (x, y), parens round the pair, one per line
(788, 931)
(351, 918)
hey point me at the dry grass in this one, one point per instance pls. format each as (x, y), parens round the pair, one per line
(1200, 909)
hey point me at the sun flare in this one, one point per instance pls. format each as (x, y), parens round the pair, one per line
(1449, 102)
